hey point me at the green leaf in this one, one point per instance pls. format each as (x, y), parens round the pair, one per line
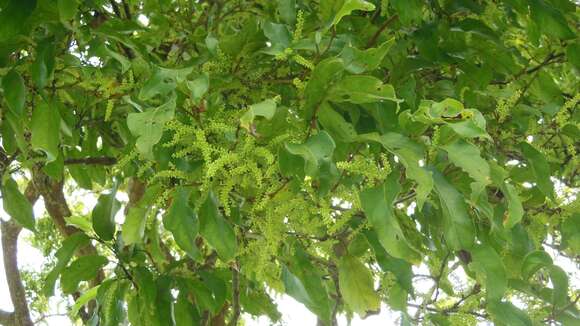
(134, 225)
(110, 297)
(14, 17)
(334, 123)
(410, 11)
(148, 126)
(573, 54)
(83, 300)
(80, 222)
(181, 221)
(136, 219)
(103, 215)
(358, 61)
(16, 204)
(550, 20)
(515, 210)
(84, 268)
(287, 11)
(185, 313)
(45, 127)
(325, 74)
(43, 66)
(294, 288)
(67, 9)
(399, 267)
(505, 313)
(265, 109)
(198, 87)
(397, 297)
(14, 92)
(410, 154)
(356, 286)
(303, 282)
(570, 231)
(540, 168)
(360, 89)
(458, 226)
(317, 154)
(559, 280)
(377, 203)
(534, 261)
(351, 5)
(278, 34)
(468, 157)
(104, 51)
(69, 246)
(216, 230)
(489, 267)
(163, 82)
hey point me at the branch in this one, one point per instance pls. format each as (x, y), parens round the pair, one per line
(10, 232)
(550, 59)
(235, 295)
(105, 160)
(6, 318)
(386, 24)
(126, 9)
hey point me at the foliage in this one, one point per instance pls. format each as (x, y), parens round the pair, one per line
(322, 149)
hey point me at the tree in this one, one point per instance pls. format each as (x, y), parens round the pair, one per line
(321, 149)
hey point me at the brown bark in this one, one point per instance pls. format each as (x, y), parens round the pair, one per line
(10, 231)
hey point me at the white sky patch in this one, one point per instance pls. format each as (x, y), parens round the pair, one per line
(144, 20)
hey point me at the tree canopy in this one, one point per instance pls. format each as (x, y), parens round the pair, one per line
(341, 152)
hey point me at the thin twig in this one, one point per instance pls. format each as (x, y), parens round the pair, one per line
(386, 24)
